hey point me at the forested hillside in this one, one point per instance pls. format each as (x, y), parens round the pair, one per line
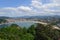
(40, 32)
(47, 33)
(15, 32)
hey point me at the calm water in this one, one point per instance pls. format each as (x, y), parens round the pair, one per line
(22, 24)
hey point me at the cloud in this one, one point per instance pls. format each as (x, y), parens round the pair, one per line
(37, 7)
(56, 1)
(18, 11)
(50, 8)
(24, 8)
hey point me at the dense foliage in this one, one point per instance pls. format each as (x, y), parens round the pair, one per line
(47, 33)
(40, 32)
(15, 32)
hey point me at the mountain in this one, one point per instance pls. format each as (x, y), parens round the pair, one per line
(4, 17)
(31, 17)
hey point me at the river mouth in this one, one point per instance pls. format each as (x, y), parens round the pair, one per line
(21, 24)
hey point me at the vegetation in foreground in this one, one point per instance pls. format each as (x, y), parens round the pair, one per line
(40, 32)
(47, 33)
(15, 32)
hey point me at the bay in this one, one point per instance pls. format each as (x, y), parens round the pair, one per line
(21, 24)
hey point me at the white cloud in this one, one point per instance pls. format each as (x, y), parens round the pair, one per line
(56, 1)
(50, 8)
(18, 11)
(36, 8)
(24, 8)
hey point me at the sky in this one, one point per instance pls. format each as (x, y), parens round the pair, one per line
(17, 8)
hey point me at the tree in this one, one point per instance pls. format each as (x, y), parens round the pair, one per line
(24, 30)
(31, 29)
(15, 32)
(46, 32)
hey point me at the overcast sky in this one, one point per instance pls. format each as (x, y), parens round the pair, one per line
(16, 8)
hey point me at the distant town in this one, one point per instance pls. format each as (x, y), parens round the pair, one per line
(53, 20)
